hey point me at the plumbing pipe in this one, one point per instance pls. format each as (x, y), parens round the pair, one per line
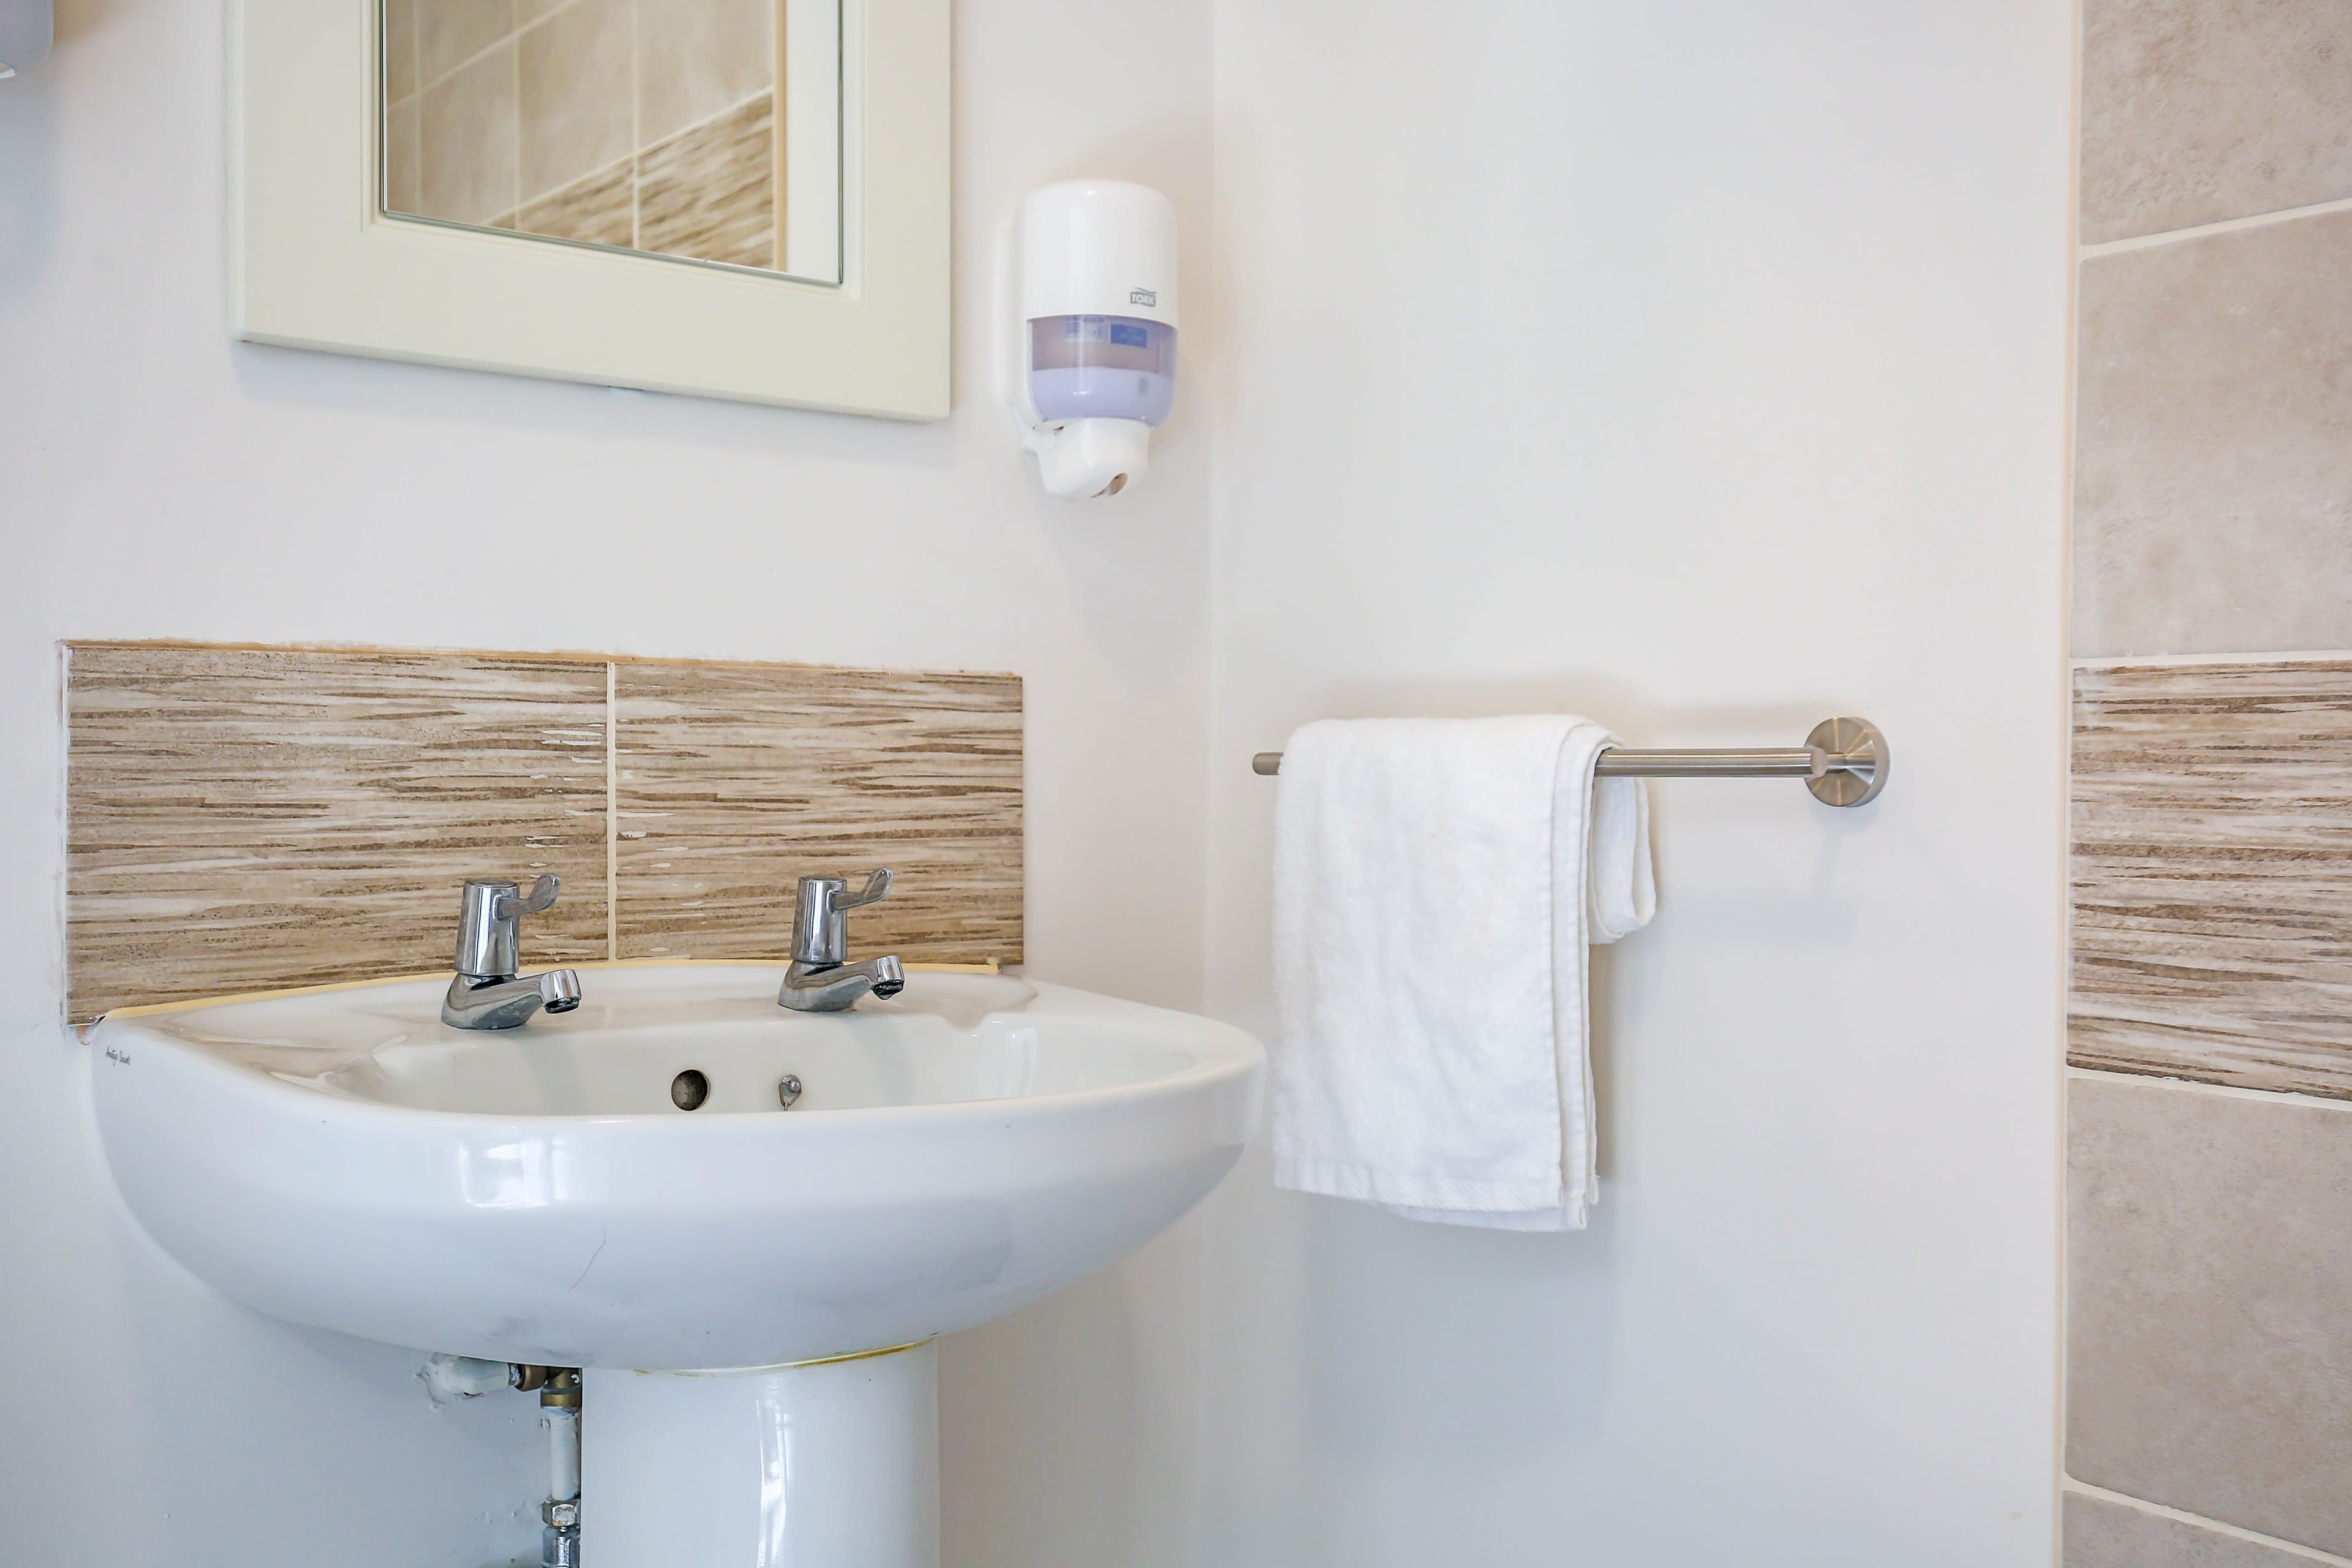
(449, 1378)
(559, 1418)
(563, 1429)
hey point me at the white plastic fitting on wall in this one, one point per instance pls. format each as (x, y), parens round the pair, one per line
(27, 30)
(453, 1377)
(1093, 348)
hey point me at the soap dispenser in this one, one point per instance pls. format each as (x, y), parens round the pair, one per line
(1096, 341)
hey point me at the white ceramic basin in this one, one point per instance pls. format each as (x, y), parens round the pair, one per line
(342, 1159)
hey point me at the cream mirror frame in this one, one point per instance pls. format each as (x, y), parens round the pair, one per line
(316, 263)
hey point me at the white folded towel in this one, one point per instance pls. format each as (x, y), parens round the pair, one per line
(1437, 883)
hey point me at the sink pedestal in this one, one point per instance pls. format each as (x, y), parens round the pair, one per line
(829, 1464)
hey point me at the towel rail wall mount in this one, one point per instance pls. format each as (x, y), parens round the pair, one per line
(1843, 762)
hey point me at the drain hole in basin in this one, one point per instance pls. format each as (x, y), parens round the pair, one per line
(688, 1090)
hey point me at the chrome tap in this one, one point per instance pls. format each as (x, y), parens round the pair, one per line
(819, 980)
(486, 992)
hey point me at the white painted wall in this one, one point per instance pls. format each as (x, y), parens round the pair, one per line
(156, 480)
(1699, 366)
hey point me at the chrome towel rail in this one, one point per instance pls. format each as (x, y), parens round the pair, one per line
(1844, 763)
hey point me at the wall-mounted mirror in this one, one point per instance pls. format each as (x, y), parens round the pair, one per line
(737, 198)
(706, 130)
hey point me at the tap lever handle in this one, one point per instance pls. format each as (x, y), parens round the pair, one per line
(820, 926)
(541, 897)
(487, 917)
(876, 886)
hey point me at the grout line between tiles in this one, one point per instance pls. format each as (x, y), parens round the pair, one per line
(2226, 1090)
(2181, 1516)
(2206, 230)
(625, 160)
(544, 17)
(778, 164)
(713, 118)
(636, 128)
(485, 52)
(513, 36)
(612, 812)
(2192, 660)
(514, 72)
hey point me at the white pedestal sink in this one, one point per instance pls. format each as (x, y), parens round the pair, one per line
(752, 1290)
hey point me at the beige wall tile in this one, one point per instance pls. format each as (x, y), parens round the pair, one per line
(696, 58)
(529, 11)
(399, 22)
(2196, 111)
(2104, 1534)
(2213, 471)
(402, 189)
(599, 210)
(2208, 1268)
(576, 85)
(450, 32)
(243, 819)
(737, 780)
(2212, 819)
(468, 135)
(711, 192)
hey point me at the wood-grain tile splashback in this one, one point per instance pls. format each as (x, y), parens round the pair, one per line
(241, 818)
(2213, 873)
(736, 780)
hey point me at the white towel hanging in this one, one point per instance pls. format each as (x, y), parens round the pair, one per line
(1438, 884)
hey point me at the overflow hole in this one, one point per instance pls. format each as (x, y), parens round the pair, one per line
(688, 1090)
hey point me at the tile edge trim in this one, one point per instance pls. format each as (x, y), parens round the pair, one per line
(2092, 250)
(2067, 1484)
(2208, 660)
(2202, 1086)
